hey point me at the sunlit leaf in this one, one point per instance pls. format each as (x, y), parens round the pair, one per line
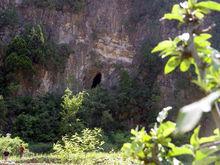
(199, 14)
(185, 64)
(171, 65)
(209, 5)
(209, 139)
(183, 150)
(162, 45)
(194, 140)
(204, 159)
(176, 14)
(191, 3)
(201, 40)
(204, 36)
(166, 129)
(170, 16)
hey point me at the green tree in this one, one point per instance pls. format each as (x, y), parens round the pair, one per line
(71, 104)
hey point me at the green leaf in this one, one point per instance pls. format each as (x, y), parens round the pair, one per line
(201, 40)
(191, 3)
(199, 14)
(207, 155)
(204, 36)
(171, 65)
(204, 159)
(176, 14)
(166, 129)
(190, 115)
(162, 46)
(215, 137)
(176, 9)
(211, 5)
(185, 64)
(170, 16)
(140, 135)
(208, 139)
(183, 150)
(194, 140)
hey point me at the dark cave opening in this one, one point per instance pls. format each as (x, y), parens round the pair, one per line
(97, 80)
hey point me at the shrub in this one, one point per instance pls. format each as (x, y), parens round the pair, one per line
(71, 104)
(97, 109)
(115, 140)
(41, 147)
(34, 119)
(86, 141)
(26, 51)
(3, 110)
(32, 47)
(157, 146)
(11, 144)
(109, 110)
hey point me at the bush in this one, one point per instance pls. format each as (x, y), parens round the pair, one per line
(115, 140)
(109, 110)
(70, 106)
(41, 147)
(11, 144)
(86, 141)
(32, 47)
(37, 119)
(28, 50)
(98, 107)
(3, 110)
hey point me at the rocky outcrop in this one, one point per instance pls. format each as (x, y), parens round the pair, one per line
(105, 35)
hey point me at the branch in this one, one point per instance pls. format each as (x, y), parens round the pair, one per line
(191, 48)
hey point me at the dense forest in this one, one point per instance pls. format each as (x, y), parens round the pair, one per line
(88, 82)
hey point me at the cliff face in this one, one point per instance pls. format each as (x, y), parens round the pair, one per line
(106, 36)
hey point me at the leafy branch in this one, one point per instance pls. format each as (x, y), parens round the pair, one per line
(193, 48)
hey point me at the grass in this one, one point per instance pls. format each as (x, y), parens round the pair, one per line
(91, 158)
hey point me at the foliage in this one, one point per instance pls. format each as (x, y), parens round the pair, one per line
(190, 48)
(8, 17)
(47, 118)
(32, 47)
(72, 5)
(71, 104)
(97, 110)
(193, 48)
(34, 119)
(157, 146)
(3, 110)
(91, 158)
(40, 147)
(11, 144)
(25, 53)
(115, 140)
(86, 141)
(109, 110)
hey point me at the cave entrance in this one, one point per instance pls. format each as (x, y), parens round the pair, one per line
(97, 80)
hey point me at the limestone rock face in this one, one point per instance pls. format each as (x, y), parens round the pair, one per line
(105, 35)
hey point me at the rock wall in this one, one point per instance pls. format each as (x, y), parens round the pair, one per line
(106, 35)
